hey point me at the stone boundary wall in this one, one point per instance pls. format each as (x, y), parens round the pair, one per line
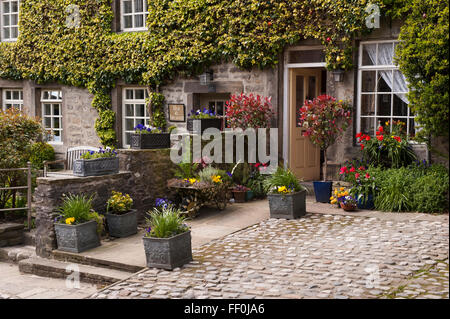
(143, 174)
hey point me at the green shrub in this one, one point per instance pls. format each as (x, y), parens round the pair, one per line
(41, 152)
(282, 178)
(165, 222)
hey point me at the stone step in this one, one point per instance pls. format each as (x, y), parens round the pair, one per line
(91, 261)
(58, 269)
(15, 254)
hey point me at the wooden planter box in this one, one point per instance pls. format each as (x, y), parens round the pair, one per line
(168, 253)
(77, 238)
(123, 225)
(150, 141)
(239, 196)
(288, 206)
(205, 124)
(96, 167)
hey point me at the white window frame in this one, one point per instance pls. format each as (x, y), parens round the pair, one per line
(12, 101)
(135, 118)
(359, 92)
(122, 17)
(10, 39)
(51, 101)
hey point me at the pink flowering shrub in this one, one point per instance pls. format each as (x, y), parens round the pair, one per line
(324, 120)
(249, 111)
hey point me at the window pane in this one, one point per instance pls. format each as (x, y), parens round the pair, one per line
(6, 33)
(127, 7)
(56, 109)
(369, 52)
(138, 5)
(15, 95)
(385, 122)
(129, 109)
(139, 94)
(311, 88)
(385, 53)
(384, 104)
(412, 128)
(306, 56)
(14, 6)
(48, 122)
(6, 7)
(127, 138)
(8, 95)
(128, 22)
(56, 122)
(140, 121)
(402, 122)
(368, 81)
(367, 125)
(400, 107)
(47, 109)
(219, 109)
(14, 19)
(384, 81)
(368, 104)
(139, 21)
(129, 126)
(129, 94)
(400, 84)
(45, 95)
(140, 110)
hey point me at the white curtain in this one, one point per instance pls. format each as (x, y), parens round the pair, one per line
(396, 80)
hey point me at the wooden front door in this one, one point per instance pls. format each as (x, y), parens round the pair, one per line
(304, 157)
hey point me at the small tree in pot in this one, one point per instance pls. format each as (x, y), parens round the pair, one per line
(324, 119)
(167, 241)
(120, 218)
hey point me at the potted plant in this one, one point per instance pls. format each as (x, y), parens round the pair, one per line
(249, 111)
(347, 203)
(240, 193)
(324, 120)
(167, 241)
(363, 185)
(337, 195)
(103, 162)
(120, 218)
(287, 197)
(199, 121)
(77, 227)
(149, 138)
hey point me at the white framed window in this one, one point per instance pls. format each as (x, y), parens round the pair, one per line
(382, 89)
(134, 111)
(12, 98)
(133, 15)
(9, 20)
(51, 102)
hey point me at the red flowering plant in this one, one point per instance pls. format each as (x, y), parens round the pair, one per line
(249, 111)
(387, 148)
(363, 184)
(324, 119)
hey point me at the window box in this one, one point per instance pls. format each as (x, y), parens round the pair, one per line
(77, 238)
(168, 253)
(96, 167)
(150, 141)
(204, 124)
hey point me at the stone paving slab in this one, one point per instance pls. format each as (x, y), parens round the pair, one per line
(318, 256)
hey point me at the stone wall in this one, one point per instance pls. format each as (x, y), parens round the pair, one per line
(144, 174)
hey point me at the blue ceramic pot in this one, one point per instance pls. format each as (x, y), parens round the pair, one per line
(322, 190)
(249, 195)
(369, 204)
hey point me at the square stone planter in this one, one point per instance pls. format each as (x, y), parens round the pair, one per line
(168, 253)
(288, 206)
(77, 238)
(150, 141)
(205, 124)
(96, 167)
(123, 225)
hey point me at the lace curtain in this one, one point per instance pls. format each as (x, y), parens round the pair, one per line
(396, 80)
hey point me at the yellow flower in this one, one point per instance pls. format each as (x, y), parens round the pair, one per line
(282, 189)
(331, 198)
(70, 220)
(216, 179)
(334, 201)
(342, 189)
(192, 180)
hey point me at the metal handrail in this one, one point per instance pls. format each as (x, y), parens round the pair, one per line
(28, 187)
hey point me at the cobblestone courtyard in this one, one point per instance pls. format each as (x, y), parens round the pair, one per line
(318, 256)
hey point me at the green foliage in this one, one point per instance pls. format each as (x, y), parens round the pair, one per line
(207, 173)
(77, 206)
(41, 152)
(158, 117)
(423, 55)
(186, 170)
(165, 222)
(418, 187)
(256, 184)
(282, 177)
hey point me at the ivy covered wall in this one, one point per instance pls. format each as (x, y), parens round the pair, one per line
(76, 46)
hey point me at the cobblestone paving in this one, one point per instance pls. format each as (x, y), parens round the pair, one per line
(318, 256)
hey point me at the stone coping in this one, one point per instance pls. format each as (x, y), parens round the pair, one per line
(65, 176)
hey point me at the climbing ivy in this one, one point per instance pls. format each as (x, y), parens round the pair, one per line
(158, 116)
(184, 38)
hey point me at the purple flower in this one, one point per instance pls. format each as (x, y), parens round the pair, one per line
(229, 174)
(149, 229)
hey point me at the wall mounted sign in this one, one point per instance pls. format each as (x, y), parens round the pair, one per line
(177, 113)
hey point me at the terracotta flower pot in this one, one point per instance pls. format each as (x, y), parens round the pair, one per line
(239, 196)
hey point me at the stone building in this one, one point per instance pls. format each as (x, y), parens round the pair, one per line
(375, 88)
